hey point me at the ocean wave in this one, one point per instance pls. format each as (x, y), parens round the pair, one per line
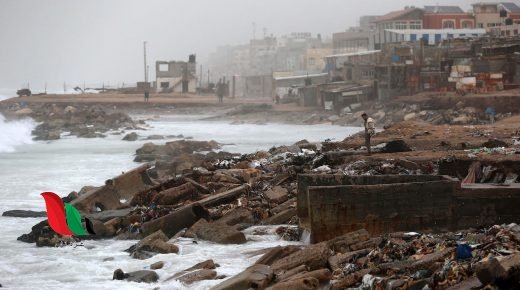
(15, 133)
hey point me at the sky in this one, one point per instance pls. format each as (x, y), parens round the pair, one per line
(95, 41)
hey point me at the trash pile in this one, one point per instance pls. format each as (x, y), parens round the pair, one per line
(388, 113)
(477, 173)
(469, 259)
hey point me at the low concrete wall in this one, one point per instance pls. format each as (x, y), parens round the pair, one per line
(306, 180)
(480, 205)
(401, 203)
(380, 208)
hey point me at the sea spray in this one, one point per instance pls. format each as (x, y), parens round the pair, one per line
(14, 133)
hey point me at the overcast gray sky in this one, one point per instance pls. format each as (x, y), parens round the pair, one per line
(101, 40)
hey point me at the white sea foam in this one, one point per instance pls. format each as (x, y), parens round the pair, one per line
(14, 133)
(70, 163)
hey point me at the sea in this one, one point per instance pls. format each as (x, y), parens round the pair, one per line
(28, 168)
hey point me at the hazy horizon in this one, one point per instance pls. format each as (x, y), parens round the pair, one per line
(97, 41)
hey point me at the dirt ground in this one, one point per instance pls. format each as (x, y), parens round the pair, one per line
(430, 142)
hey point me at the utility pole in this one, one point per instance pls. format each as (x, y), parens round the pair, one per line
(145, 66)
(200, 79)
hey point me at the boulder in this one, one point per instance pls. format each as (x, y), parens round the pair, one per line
(197, 275)
(24, 112)
(276, 194)
(155, 137)
(410, 116)
(257, 276)
(502, 271)
(70, 110)
(142, 276)
(157, 265)
(172, 223)
(216, 232)
(314, 257)
(131, 137)
(151, 245)
(276, 253)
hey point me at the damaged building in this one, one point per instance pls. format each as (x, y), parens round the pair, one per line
(176, 76)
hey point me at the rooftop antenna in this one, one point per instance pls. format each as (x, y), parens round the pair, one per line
(254, 30)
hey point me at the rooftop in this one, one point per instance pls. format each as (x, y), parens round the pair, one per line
(395, 14)
(443, 9)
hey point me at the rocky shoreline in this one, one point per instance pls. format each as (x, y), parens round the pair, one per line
(214, 196)
(186, 189)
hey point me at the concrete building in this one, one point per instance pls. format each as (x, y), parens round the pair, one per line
(491, 15)
(447, 17)
(176, 76)
(262, 55)
(431, 36)
(406, 19)
(352, 41)
(314, 61)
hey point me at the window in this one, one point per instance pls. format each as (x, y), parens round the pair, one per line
(311, 61)
(448, 24)
(416, 24)
(401, 25)
(480, 25)
(163, 67)
(165, 85)
(515, 32)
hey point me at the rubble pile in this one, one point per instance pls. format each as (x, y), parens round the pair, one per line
(196, 193)
(81, 121)
(388, 113)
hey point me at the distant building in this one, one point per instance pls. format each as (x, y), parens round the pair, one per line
(447, 17)
(262, 55)
(366, 23)
(176, 76)
(491, 15)
(352, 41)
(406, 19)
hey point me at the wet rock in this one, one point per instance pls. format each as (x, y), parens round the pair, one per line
(131, 137)
(142, 276)
(277, 253)
(257, 277)
(216, 232)
(314, 257)
(155, 137)
(197, 275)
(24, 213)
(157, 265)
(151, 245)
(107, 215)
